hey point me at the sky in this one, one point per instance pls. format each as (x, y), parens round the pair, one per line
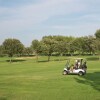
(27, 20)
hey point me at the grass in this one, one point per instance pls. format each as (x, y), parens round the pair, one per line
(28, 80)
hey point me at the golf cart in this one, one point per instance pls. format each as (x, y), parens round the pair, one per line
(78, 68)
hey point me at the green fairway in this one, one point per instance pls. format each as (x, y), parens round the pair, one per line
(25, 79)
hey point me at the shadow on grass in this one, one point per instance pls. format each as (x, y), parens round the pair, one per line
(52, 60)
(3, 98)
(17, 60)
(92, 79)
(59, 59)
(43, 61)
(93, 58)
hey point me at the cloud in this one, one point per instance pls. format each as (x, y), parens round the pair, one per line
(28, 16)
(43, 17)
(77, 30)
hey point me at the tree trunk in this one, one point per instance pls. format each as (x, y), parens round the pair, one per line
(49, 57)
(36, 57)
(10, 59)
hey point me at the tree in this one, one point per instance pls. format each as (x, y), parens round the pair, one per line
(12, 46)
(1, 50)
(36, 46)
(85, 45)
(97, 43)
(59, 47)
(77, 45)
(48, 45)
(28, 51)
(89, 44)
(97, 34)
(62, 44)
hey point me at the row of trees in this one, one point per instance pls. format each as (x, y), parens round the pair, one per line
(50, 45)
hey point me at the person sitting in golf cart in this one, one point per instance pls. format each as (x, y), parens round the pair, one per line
(84, 66)
(72, 67)
(79, 63)
(76, 64)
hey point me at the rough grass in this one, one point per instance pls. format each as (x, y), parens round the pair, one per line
(29, 80)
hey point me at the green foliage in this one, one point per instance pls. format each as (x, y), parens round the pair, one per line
(37, 47)
(28, 51)
(1, 50)
(48, 45)
(97, 34)
(64, 44)
(61, 45)
(12, 46)
(97, 43)
(89, 45)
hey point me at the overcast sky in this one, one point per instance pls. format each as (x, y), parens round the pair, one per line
(27, 20)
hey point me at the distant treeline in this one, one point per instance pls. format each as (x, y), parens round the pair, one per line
(53, 45)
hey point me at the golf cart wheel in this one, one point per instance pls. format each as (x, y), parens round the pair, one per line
(64, 73)
(80, 73)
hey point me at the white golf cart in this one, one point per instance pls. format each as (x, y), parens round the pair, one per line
(78, 68)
